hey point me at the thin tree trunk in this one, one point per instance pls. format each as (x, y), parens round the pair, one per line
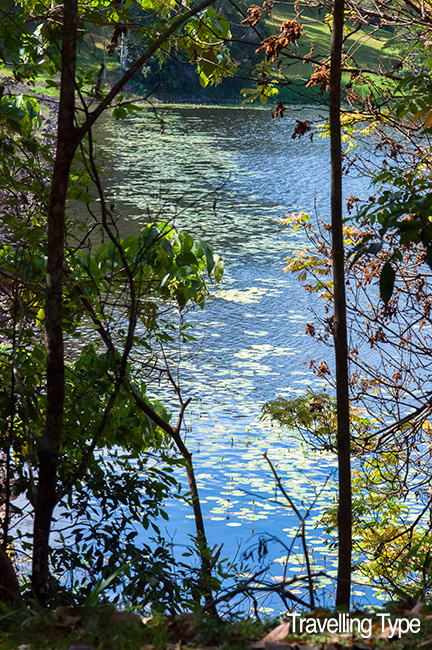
(104, 75)
(68, 138)
(205, 552)
(340, 321)
(9, 587)
(207, 561)
(49, 444)
(123, 54)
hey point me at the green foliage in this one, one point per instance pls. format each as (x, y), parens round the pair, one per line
(401, 214)
(204, 43)
(313, 414)
(392, 549)
(121, 295)
(167, 268)
(164, 263)
(392, 552)
(119, 499)
(391, 502)
(400, 210)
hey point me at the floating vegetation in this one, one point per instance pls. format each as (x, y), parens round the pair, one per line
(250, 340)
(253, 294)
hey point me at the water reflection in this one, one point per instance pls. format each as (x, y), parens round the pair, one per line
(229, 176)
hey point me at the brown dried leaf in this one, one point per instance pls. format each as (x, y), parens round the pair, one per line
(277, 634)
(290, 32)
(301, 128)
(254, 16)
(320, 76)
(418, 606)
(323, 369)
(123, 619)
(68, 616)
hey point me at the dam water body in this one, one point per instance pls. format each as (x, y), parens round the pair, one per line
(228, 176)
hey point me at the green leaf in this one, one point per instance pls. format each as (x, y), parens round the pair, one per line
(93, 596)
(119, 113)
(187, 241)
(167, 248)
(387, 280)
(186, 259)
(208, 251)
(374, 248)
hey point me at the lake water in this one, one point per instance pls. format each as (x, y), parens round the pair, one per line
(229, 176)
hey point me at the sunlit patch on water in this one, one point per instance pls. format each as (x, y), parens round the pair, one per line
(229, 176)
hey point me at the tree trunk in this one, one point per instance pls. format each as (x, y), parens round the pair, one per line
(340, 323)
(9, 587)
(123, 54)
(68, 138)
(207, 561)
(204, 550)
(49, 444)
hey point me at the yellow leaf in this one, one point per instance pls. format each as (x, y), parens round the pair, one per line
(428, 120)
(421, 113)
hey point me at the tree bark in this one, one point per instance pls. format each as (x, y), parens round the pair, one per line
(49, 444)
(340, 321)
(9, 586)
(205, 552)
(68, 138)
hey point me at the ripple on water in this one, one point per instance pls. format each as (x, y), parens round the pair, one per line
(229, 176)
